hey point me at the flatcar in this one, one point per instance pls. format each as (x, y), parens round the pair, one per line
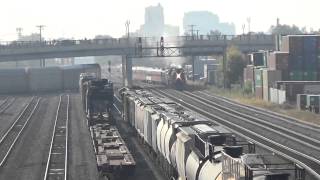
(189, 147)
(114, 159)
(173, 77)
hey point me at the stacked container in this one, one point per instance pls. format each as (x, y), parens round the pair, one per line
(313, 103)
(279, 61)
(310, 55)
(248, 76)
(258, 81)
(302, 101)
(258, 59)
(303, 59)
(269, 78)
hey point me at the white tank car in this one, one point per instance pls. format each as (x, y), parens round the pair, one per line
(186, 146)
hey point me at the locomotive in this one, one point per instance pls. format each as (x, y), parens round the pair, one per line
(173, 77)
(114, 159)
(189, 147)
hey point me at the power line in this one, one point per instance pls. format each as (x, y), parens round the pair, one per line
(192, 28)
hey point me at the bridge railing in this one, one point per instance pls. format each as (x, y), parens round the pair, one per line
(57, 43)
(204, 40)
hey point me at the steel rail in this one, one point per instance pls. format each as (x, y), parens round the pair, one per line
(6, 104)
(13, 133)
(266, 112)
(55, 168)
(303, 139)
(311, 164)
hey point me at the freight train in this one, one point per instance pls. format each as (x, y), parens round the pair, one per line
(114, 159)
(22, 80)
(189, 147)
(173, 77)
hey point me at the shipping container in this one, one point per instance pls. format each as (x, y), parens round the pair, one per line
(313, 103)
(209, 67)
(285, 75)
(282, 96)
(310, 75)
(301, 101)
(310, 44)
(313, 100)
(310, 61)
(248, 73)
(259, 92)
(258, 59)
(296, 62)
(274, 95)
(296, 76)
(198, 67)
(269, 79)
(292, 90)
(293, 44)
(278, 60)
(258, 77)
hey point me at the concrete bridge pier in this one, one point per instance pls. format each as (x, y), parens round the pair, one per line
(127, 71)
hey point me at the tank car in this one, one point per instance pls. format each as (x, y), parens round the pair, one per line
(188, 147)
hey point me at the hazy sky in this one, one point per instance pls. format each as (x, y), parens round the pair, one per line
(84, 18)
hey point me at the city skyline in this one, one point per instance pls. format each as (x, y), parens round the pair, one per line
(80, 19)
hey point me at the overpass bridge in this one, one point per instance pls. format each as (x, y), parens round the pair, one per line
(130, 48)
(133, 47)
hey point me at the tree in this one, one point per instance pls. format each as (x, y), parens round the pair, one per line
(284, 29)
(235, 65)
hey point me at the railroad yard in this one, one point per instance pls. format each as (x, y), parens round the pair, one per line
(217, 91)
(93, 135)
(26, 131)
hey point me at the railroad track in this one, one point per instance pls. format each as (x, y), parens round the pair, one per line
(6, 104)
(57, 162)
(305, 129)
(294, 146)
(11, 136)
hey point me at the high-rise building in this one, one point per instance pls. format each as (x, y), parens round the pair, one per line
(206, 22)
(154, 23)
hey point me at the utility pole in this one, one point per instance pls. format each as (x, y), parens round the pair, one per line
(19, 32)
(127, 24)
(243, 28)
(42, 61)
(40, 30)
(192, 29)
(197, 33)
